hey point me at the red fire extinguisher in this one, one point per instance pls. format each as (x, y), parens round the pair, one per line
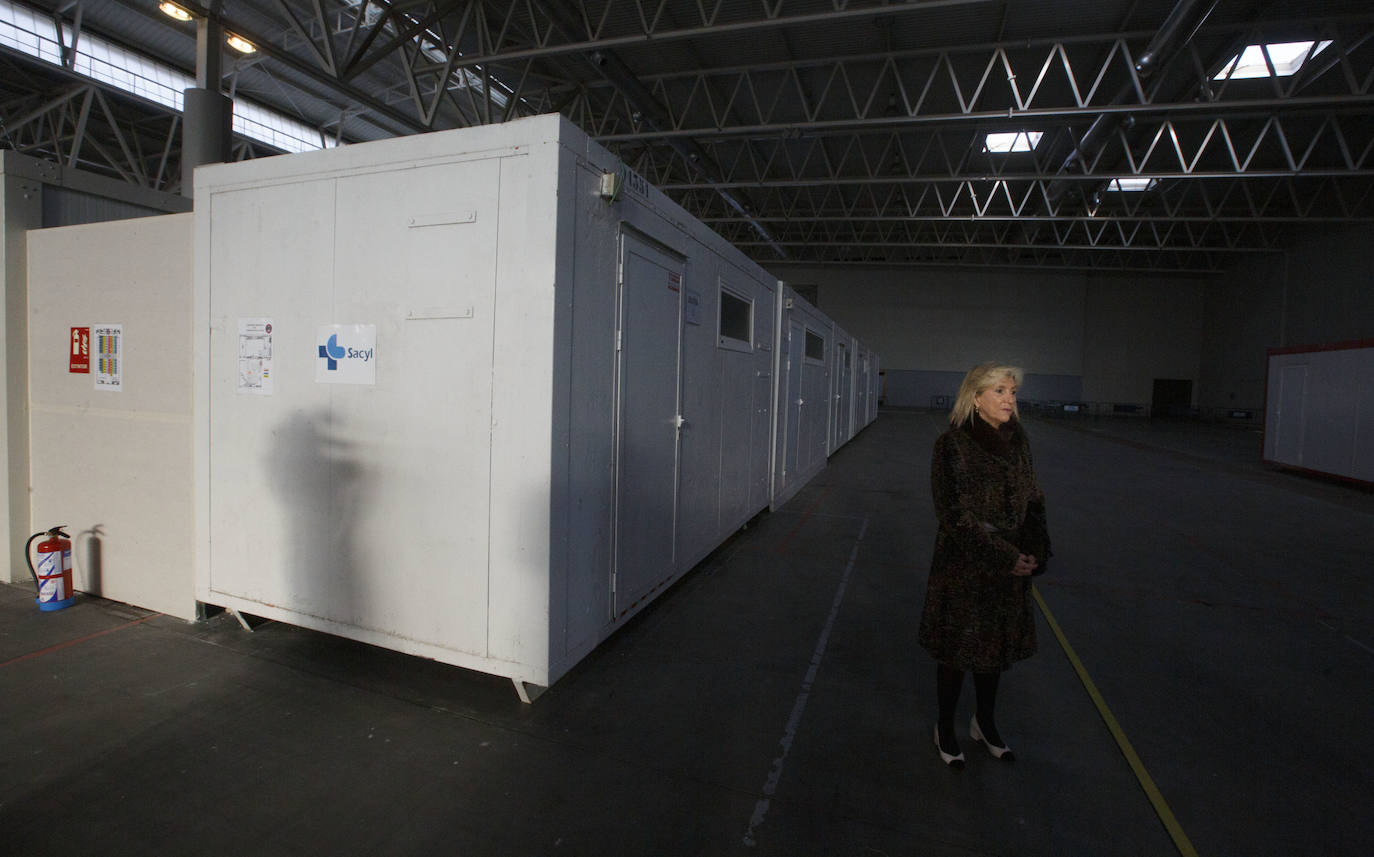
(53, 577)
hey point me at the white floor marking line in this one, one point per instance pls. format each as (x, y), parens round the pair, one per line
(770, 786)
(1328, 626)
(1358, 643)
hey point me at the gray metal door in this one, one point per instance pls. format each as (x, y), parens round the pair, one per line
(759, 439)
(792, 405)
(841, 428)
(647, 419)
(1288, 428)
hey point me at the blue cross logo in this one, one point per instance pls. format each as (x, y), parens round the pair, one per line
(332, 353)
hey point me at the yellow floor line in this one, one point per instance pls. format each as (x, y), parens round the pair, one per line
(1166, 815)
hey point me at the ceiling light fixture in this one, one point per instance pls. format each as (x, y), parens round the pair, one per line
(240, 44)
(172, 10)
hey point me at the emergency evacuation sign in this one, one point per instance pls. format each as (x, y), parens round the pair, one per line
(79, 357)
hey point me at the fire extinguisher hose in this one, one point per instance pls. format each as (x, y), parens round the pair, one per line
(28, 560)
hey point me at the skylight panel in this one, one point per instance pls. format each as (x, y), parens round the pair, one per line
(1011, 141)
(1287, 58)
(1132, 185)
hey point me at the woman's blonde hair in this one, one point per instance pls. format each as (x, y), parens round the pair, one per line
(981, 377)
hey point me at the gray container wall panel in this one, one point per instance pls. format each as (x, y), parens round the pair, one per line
(1332, 416)
(527, 612)
(736, 441)
(787, 388)
(839, 351)
(803, 396)
(716, 385)
(587, 275)
(816, 410)
(762, 396)
(1316, 418)
(715, 392)
(262, 239)
(68, 207)
(877, 379)
(713, 499)
(874, 388)
(861, 389)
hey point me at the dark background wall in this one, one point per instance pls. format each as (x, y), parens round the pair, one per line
(1106, 338)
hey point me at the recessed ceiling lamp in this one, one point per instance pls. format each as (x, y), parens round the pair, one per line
(174, 11)
(240, 44)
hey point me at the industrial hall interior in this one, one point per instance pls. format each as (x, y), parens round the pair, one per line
(616, 427)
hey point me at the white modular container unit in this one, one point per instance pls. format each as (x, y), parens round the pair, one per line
(475, 395)
(805, 345)
(1319, 410)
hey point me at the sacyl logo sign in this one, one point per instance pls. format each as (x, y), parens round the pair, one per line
(333, 352)
(347, 354)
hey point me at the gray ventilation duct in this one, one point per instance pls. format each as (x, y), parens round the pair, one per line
(1176, 31)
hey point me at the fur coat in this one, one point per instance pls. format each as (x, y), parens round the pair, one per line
(977, 614)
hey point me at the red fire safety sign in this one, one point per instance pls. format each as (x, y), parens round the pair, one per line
(80, 352)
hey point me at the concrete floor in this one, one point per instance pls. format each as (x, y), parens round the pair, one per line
(774, 702)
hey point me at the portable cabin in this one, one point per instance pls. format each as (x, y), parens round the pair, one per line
(1318, 416)
(476, 395)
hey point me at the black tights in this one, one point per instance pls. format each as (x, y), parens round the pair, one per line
(948, 682)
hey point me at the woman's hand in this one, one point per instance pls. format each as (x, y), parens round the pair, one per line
(1025, 565)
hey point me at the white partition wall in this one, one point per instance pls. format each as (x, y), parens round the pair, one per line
(35, 193)
(476, 395)
(111, 437)
(1319, 411)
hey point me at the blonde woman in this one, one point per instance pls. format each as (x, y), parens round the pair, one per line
(992, 537)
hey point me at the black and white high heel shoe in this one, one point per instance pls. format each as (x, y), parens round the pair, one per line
(1004, 753)
(954, 761)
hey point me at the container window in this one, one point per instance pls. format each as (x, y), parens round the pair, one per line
(736, 320)
(815, 345)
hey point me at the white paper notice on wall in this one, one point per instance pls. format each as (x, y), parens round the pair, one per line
(255, 356)
(346, 354)
(109, 357)
(693, 307)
